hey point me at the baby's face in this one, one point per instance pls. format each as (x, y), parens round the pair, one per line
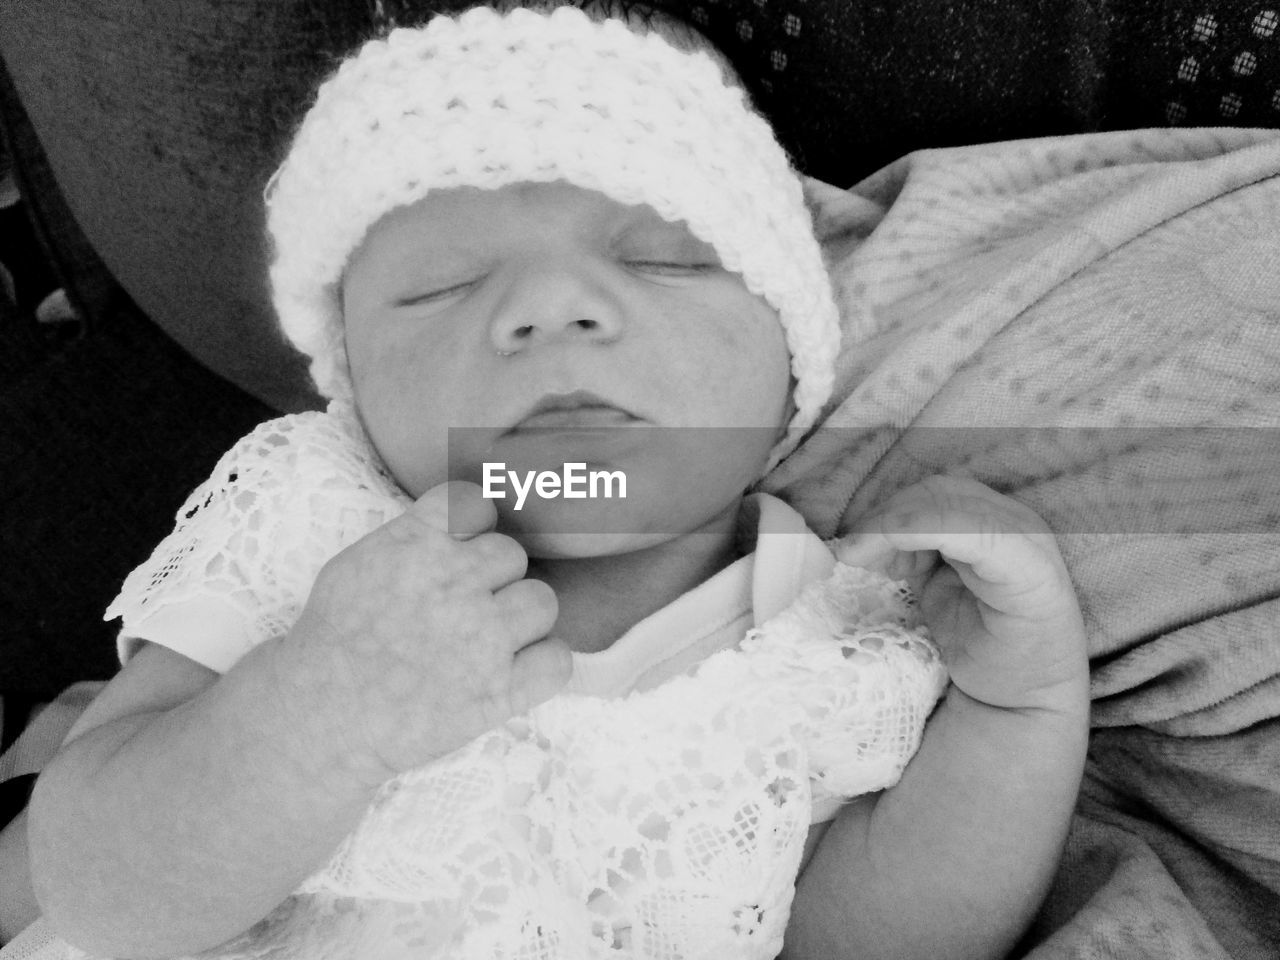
(552, 322)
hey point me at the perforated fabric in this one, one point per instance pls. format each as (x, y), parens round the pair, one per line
(36, 942)
(667, 824)
(248, 543)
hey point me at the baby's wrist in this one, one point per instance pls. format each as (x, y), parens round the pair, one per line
(1057, 707)
(313, 710)
(1052, 679)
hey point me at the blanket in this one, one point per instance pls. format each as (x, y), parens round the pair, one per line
(1092, 325)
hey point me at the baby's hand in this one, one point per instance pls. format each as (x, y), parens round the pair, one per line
(415, 640)
(992, 586)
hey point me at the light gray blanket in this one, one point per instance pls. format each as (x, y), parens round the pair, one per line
(1092, 325)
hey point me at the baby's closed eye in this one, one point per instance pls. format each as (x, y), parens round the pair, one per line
(434, 292)
(669, 268)
(665, 248)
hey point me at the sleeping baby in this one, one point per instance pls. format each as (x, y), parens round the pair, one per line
(369, 708)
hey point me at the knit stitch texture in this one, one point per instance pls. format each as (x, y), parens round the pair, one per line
(488, 99)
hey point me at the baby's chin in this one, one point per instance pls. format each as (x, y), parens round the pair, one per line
(583, 529)
(584, 546)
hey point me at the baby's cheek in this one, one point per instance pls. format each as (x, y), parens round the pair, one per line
(759, 373)
(742, 333)
(398, 419)
(414, 464)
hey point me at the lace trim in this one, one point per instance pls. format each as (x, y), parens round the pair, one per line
(248, 543)
(668, 824)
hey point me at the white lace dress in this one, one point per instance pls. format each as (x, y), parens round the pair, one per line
(665, 824)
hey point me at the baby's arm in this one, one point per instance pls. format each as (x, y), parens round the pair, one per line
(189, 805)
(954, 861)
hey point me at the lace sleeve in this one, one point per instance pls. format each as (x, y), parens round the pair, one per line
(248, 543)
(854, 670)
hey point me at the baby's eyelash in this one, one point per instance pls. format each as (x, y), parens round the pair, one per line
(670, 266)
(431, 295)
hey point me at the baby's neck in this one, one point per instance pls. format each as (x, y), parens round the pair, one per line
(601, 598)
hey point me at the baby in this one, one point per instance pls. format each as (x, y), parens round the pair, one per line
(571, 236)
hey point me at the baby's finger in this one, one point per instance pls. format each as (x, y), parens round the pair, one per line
(538, 673)
(871, 550)
(456, 507)
(995, 549)
(1002, 550)
(867, 549)
(960, 498)
(528, 609)
(499, 560)
(1011, 571)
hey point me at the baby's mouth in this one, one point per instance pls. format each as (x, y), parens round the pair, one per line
(580, 410)
(580, 418)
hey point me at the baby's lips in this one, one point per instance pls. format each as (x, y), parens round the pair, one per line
(586, 417)
(577, 407)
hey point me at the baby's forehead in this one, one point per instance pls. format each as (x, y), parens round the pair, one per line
(458, 215)
(456, 231)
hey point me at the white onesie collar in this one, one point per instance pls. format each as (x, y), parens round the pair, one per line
(717, 613)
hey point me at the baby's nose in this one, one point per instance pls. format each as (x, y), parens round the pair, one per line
(550, 304)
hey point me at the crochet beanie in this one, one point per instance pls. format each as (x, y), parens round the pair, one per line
(486, 99)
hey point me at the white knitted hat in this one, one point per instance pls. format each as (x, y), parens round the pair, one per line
(487, 99)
